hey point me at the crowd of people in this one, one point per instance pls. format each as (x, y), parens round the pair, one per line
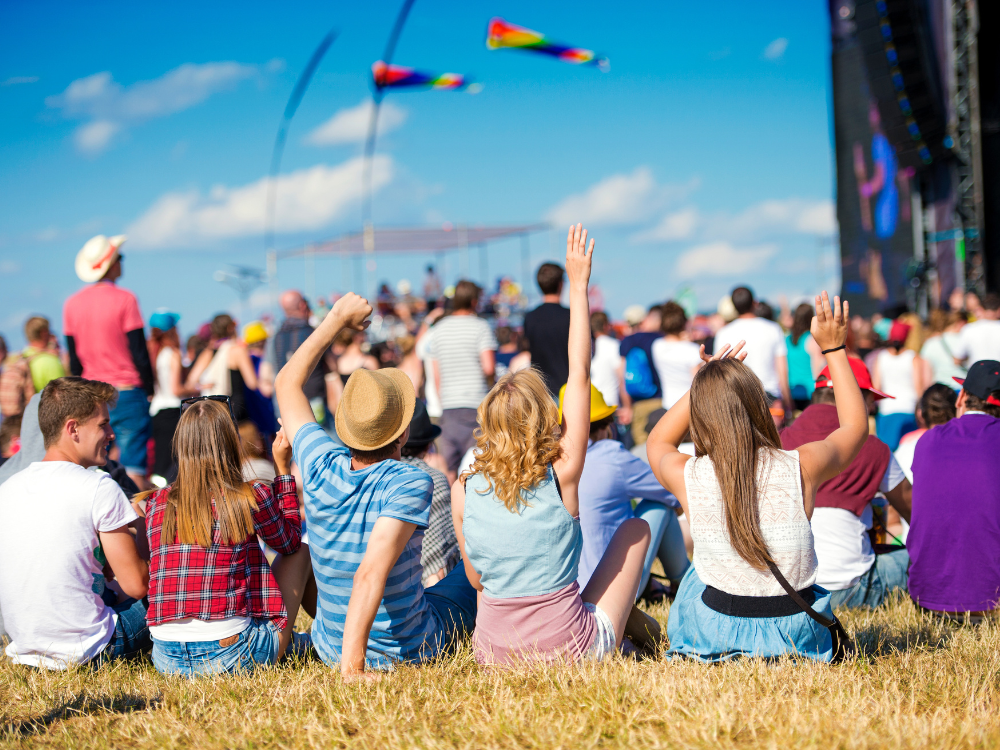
(417, 472)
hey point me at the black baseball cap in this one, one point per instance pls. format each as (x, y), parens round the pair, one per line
(983, 381)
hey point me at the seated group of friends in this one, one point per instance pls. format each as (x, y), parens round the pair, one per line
(553, 553)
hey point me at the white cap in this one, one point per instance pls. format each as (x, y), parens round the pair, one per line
(635, 314)
(96, 257)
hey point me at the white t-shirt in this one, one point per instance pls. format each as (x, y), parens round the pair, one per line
(979, 340)
(604, 368)
(163, 395)
(765, 341)
(843, 550)
(52, 562)
(675, 362)
(423, 350)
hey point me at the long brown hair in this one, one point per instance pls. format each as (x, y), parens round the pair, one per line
(801, 320)
(158, 340)
(730, 423)
(209, 468)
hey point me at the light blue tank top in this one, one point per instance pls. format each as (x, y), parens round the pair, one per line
(533, 552)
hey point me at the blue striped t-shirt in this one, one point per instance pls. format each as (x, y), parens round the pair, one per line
(341, 509)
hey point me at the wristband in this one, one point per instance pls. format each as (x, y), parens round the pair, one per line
(835, 349)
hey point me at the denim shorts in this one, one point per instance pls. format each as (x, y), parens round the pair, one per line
(132, 425)
(258, 644)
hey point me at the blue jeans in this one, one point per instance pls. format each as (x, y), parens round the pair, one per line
(131, 422)
(131, 636)
(666, 541)
(891, 427)
(886, 574)
(258, 644)
(454, 602)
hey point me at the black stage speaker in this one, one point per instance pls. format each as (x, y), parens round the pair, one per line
(989, 103)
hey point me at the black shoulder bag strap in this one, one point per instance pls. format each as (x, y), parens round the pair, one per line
(842, 645)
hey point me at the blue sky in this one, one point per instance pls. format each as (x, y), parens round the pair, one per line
(702, 158)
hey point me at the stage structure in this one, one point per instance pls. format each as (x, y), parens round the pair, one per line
(910, 177)
(354, 247)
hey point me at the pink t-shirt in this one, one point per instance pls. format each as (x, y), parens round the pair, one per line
(98, 317)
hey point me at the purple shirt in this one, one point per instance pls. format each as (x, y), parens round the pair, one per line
(954, 538)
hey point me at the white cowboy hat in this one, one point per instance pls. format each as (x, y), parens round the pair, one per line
(96, 257)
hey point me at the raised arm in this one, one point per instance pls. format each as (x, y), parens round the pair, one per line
(576, 400)
(824, 459)
(351, 311)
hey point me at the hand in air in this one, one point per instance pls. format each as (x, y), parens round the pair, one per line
(727, 352)
(829, 325)
(281, 449)
(352, 311)
(578, 256)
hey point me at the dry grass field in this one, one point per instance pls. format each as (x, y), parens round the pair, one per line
(915, 683)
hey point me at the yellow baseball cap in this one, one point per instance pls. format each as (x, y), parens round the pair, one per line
(598, 408)
(254, 332)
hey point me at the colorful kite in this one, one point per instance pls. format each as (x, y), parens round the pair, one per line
(501, 34)
(397, 77)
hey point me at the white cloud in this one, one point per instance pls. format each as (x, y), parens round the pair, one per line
(776, 49)
(789, 215)
(308, 199)
(19, 80)
(680, 225)
(619, 199)
(350, 125)
(108, 107)
(722, 259)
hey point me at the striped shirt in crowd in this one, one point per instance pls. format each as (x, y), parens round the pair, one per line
(456, 343)
(342, 507)
(440, 543)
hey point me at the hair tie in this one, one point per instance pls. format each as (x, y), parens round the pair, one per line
(835, 349)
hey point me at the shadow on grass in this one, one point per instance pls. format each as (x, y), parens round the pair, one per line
(79, 706)
(879, 639)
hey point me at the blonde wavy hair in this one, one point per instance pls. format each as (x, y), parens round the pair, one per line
(517, 437)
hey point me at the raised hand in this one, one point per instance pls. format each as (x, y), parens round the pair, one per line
(727, 352)
(578, 256)
(281, 449)
(829, 325)
(351, 311)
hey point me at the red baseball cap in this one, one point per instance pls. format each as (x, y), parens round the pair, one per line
(861, 374)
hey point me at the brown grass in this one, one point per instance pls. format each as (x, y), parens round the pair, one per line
(916, 683)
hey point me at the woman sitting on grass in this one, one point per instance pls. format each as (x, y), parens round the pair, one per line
(749, 505)
(516, 513)
(214, 604)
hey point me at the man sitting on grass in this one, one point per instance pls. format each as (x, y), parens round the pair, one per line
(955, 529)
(855, 573)
(366, 513)
(58, 610)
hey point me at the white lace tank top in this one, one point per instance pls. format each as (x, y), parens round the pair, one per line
(783, 523)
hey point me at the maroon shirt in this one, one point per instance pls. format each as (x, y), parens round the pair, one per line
(856, 485)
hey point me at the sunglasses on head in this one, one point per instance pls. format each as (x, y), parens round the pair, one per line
(188, 402)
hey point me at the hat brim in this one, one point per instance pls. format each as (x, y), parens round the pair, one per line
(960, 381)
(405, 387)
(425, 438)
(879, 395)
(603, 413)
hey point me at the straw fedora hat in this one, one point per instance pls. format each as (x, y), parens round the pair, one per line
(375, 408)
(96, 257)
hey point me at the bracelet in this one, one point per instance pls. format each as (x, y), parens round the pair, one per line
(835, 349)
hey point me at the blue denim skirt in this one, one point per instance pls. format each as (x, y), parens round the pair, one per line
(258, 644)
(699, 632)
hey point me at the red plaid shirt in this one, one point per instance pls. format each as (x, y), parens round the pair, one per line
(224, 580)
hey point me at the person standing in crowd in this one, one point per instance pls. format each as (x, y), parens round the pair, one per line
(611, 477)
(936, 406)
(605, 363)
(516, 513)
(767, 354)
(105, 342)
(938, 351)
(58, 609)
(463, 348)
(423, 350)
(506, 349)
(676, 359)
(43, 363)
(981, 339)
(165, 408)
(225, 368)
(898, 370)
(366, 514)
(410, 363)
(803, 357)
(955, 568)
(215, 605)
(856, 574)
(749, 503)
(547, 328)
(641, 392)
(432, 288)
(294, 330)
(439, 554)
(259, 400)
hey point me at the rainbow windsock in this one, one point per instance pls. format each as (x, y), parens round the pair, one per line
(500, 34)
(397, 76)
